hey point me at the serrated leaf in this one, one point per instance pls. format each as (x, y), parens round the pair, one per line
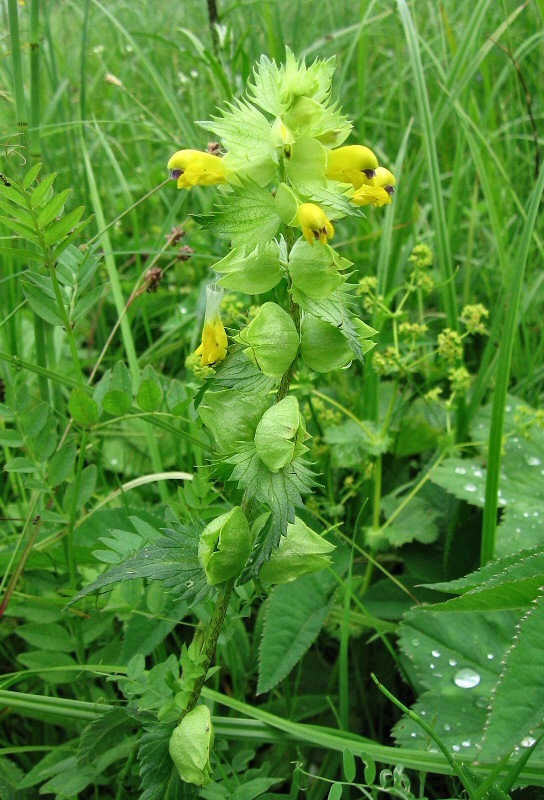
(350, 442)
(295, 613)
(457, 658)
(238, 372)
(248, 218)
(517, 705)
(83, 408)
(160, 779)
(102, 734)
(171, 559)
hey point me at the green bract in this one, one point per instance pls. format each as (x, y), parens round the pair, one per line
(225, 545)
(253, 271)
(280, 434)
(323, 346)
(191, 744)
(301, 551)
(231, 416)
(314, 270)
(271, 340)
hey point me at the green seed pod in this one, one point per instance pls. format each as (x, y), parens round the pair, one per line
(271, 340)
(225, 545)
(314, 270)
(280, 434)
(323, 346)
(300, 552)
(191, 744)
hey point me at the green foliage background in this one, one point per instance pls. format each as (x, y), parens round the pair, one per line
(449, 95)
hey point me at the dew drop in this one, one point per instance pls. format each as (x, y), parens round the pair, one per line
(466, 743)
(508, 409)
(526, 514)
(460, 470)
(528, 741)
(415, 642)
(470, 487)
(447, 727)
(481, 702)
(432, 666)
(455, 748)
(466, 678)
(452, 662)
(413, 735)
(436, 653)
(533, 461)
(478, 473)
(490, 656)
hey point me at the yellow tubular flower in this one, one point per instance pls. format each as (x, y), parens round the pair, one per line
(316, 227)
(379, 193)
(353, 164)
(214, 338)
(194, 168)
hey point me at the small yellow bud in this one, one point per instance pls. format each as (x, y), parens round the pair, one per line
(316, 227)
(214, 338)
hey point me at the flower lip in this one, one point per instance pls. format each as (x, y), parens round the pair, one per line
(369, 173)
(175, 174)
(389, 189)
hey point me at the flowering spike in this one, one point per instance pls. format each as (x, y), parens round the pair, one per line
(194, 168)
(316, 226)
(214, 338)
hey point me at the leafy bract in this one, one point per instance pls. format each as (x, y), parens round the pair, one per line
(171, 559)
(253, 272)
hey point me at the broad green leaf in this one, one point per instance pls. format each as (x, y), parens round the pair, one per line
(416, 522)
(83, 408)
(294, 616)
(516, 712)
(238, 372)
(121, 379)
(253, 788)
(53, 208)
(248, 219)
(307, 165)
(350, 442)
(457, 659)
(116, 402)
(149, 397)
(102, 734)
(47, 637)
(315, 270)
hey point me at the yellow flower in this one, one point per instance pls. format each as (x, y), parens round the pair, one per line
(194, 168)
(214, 338)
(316, 227)
(353, 164)
(379, 192)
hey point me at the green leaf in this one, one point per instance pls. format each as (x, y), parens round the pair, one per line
(14, 194)
(59, 229)
(144, 633)
(83, 408)
(348, 764)
(85, 489)
(238, 372)
(517, 706)
(62, 463)
(248, 219)
(20, 464)
(42, 190)
(335, 792)
(314, 270)
(457, 659)
(53, 208)
(294, 616)
(350, 441)
(160, 779)
(232, 416)
(49, 665)
(31, 175)
(149, 396)
(46, 637)
(416, 522)
(307, 165)
(116, 402)
(41, 304)
(21, 230)
(11, 438)
(102, 734)
(253, 272)
(171, 559)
